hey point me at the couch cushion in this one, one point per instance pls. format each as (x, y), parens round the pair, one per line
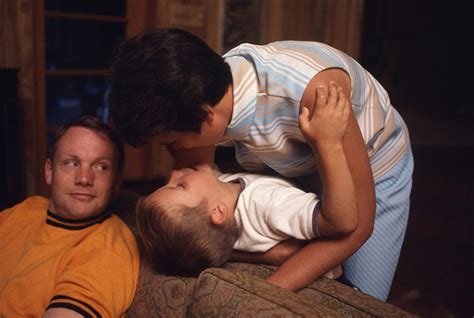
(222, 293)
(160, 295)
(330, 294)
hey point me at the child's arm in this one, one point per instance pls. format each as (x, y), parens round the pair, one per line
(324, 131)
(275, 256)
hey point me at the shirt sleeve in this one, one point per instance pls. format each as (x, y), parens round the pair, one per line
(4, 214)
(98, 283)
(272, 212)
(293, 213)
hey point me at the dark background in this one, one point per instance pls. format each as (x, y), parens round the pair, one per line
(420, 51)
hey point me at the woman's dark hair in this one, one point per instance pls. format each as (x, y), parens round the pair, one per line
(160, 81)
(94, 124)
(181, 240)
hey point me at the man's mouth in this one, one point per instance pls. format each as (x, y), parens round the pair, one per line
(82, 196)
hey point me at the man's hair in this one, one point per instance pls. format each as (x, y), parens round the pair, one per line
(160, 81)
(180, 240)
(94, 124)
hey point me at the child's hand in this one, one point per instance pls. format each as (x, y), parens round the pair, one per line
(329, 121)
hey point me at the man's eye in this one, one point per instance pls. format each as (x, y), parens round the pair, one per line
(71, 163)
(101, 167)
(181, 185)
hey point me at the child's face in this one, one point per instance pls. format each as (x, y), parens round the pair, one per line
(189, 186)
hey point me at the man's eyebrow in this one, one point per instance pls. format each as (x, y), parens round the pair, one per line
(104, 158)
(76, 157)
(68, 156)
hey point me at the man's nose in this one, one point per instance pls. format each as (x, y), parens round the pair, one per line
(85, 176)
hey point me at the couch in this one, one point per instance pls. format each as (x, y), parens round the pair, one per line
(239, 290)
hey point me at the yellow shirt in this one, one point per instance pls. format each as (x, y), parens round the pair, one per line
(89, 266)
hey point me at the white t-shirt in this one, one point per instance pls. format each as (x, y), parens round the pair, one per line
(270, 210)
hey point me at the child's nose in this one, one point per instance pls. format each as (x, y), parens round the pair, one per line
(174, 174)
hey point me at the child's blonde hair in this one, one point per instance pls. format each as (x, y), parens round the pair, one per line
(181, 240)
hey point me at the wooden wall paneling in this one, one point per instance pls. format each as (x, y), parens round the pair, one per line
(9, 57)
(203, 18)
(135, 162)
(215, 24)
(40, 103)
(292, 20)
(343, 25)
(335, 22)
(300, 20)
(160, 17)
(139, 16)
(33, 118)
(271, 21)
(354, 28)
(138, 20)
(160, 161)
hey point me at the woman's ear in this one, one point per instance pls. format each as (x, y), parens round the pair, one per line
(210, 114)
(218, 214)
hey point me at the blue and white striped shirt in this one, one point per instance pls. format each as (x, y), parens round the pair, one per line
(269, 82)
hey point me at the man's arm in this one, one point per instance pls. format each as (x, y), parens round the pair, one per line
(322, 255)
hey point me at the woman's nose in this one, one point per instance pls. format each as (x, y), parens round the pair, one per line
(175, 145)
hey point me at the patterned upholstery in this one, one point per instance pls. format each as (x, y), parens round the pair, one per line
(221, 293)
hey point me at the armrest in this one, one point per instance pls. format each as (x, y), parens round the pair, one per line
(222, 293)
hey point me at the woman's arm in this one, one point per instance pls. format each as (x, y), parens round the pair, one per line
(321, 255)
(324, 131)
(275, 256)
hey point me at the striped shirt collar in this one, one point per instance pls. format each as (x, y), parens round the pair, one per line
(245, 90)
(76, 224)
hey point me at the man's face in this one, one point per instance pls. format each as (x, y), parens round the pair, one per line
(81, 174)
(189, 186)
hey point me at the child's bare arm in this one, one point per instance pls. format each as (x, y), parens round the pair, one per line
(325, 130)
(275, 256)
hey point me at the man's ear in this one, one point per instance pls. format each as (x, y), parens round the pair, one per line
(218, 214)
(48, 171)
(117, 182)
(210, 114)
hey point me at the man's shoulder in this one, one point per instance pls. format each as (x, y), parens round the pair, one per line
(115, 234)
(36, 201)
(115, 224)
(32, 203)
